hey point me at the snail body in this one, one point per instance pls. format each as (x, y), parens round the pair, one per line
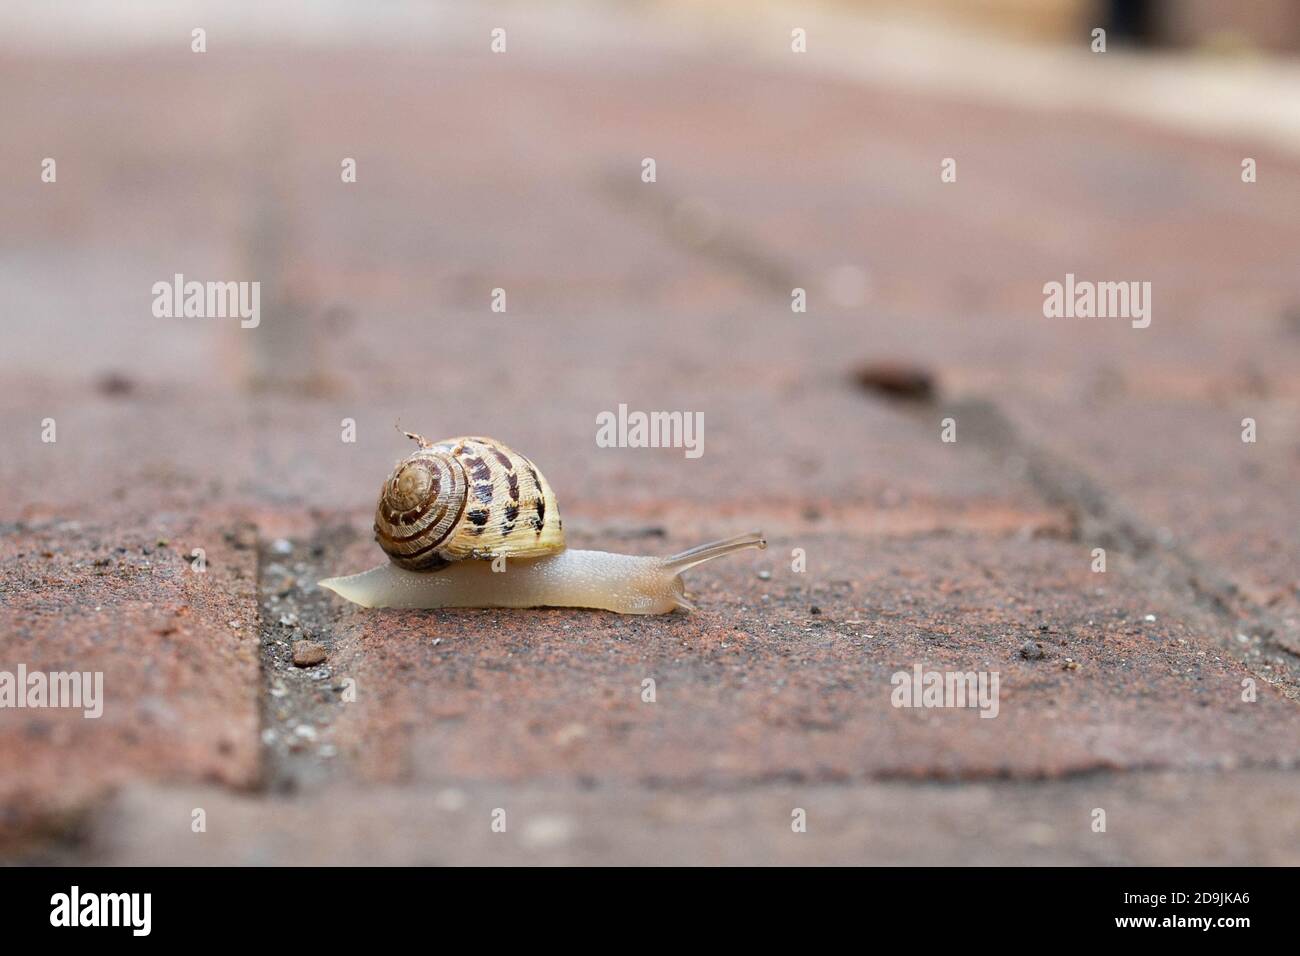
(450, 510)
(465, 499)
(624, 583)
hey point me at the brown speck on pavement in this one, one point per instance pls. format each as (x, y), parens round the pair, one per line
(897, 380)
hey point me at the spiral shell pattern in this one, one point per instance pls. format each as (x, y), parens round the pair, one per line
(419, 507)
(466, 498)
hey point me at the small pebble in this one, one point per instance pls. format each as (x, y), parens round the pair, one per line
(1031, 651)
(307, 653)
(305, 732)
(282, 546)
(765, 575)
(814, 610)
(1150, 619)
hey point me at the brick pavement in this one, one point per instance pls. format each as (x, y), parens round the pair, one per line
(476, 173)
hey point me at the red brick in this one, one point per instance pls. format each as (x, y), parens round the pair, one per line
(476, 174)
(176, 649)
(755, 687)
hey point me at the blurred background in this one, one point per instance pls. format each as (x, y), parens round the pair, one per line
(775, 170)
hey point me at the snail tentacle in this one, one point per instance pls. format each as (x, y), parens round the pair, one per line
(715, 549)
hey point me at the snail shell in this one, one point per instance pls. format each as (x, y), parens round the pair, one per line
(465, 498)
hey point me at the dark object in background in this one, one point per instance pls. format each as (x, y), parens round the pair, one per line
(897, 380)
(1133, 21)
(1204, 24)
(114, 383)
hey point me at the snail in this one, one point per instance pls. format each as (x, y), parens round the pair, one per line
(452, 509)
